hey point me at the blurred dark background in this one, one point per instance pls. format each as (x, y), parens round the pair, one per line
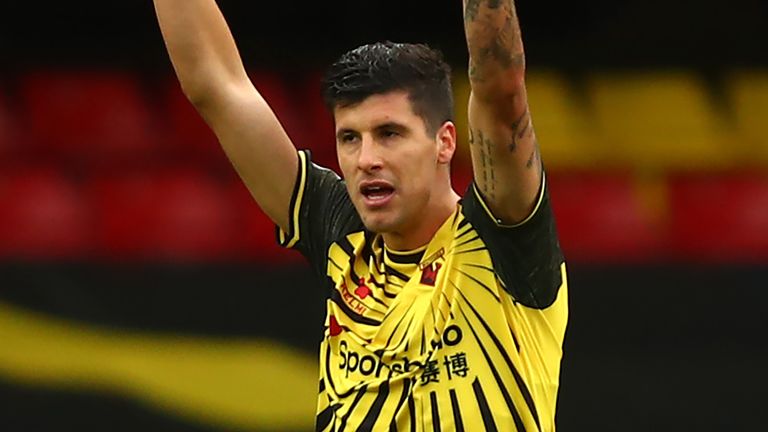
(571, 35)
(140, 287)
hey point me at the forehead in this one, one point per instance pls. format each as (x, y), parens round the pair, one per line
(376, 110)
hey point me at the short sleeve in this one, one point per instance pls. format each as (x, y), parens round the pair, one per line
(527, 256)
(321, 212)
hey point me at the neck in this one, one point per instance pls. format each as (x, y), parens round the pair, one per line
(425, 230)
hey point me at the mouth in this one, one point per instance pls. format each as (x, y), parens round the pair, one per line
(376, 194)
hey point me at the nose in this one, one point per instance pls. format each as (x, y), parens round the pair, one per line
(369, 158)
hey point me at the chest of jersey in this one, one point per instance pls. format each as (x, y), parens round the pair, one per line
(409, 320)
(438, 342)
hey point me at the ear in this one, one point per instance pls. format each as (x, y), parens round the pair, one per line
(446, 142)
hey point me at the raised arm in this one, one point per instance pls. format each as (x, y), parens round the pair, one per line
(212, 76)
(505, 155)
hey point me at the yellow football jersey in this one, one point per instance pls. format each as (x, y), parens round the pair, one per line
(464, 333)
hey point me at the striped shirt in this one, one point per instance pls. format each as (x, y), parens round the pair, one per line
(464, 333)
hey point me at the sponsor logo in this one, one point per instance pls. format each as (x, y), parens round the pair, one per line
(367, 364)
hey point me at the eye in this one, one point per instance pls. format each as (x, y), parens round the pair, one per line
(348, 138)
(390, 134)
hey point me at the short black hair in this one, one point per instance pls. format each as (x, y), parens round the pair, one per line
(384, 67)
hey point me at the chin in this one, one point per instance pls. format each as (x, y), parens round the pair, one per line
(379, 224)
(376, 226)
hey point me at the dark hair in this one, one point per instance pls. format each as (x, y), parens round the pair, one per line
(384, 67)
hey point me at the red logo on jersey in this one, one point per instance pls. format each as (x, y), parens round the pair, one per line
(333, 326)
(362, 290)
(429, 274)
(351, 300)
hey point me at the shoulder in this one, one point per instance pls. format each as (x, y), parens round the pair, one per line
(526, 257)
(321, 211)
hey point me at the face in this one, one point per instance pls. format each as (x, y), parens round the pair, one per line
(394, 168)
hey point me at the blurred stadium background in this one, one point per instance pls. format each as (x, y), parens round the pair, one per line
(138, 280)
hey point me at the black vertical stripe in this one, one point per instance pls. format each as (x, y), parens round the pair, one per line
(505, 393)
(375, 410)
(360, 394)
(368, 246)
(331, 387)
(514, 339)
(518, 378)
(447, 299)
(346, 246)
(406, 393)
(412, 412)
(324, 419)
(485, 410)
(349, 249)
(322, 386)
(435, 412)
(526, 395)
(458, 423)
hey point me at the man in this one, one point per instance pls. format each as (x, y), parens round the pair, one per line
(443, 313)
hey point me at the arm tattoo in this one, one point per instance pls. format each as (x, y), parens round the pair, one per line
(472, 7)
(491, 40)
(533, 157)
(521, 128)
(502, 47)
(485, 174)
(496, 74)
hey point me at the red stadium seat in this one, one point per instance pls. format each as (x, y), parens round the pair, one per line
(603, 218)
(256, 230)
(319, 121)
(187, 136)
(176, 216)
(96, 119)
(277, 91)
(297, 105)
(190, 138)
(720, 218)
(8, 145)
(42, 216)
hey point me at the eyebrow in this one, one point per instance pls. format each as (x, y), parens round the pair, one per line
(391, 125)
(399, 127)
